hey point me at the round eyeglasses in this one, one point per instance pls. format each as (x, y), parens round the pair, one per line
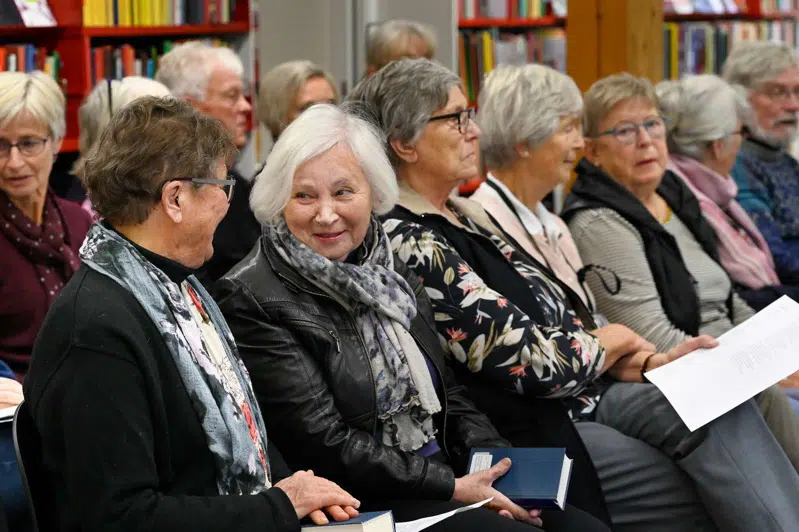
(627, 132)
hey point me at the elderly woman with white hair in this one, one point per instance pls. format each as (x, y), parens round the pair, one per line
(102, 103)
(765, 171)
(289, 89)
(511, 329)
(705, 117)
(211, 79)
(337, 334)
(40, 234)
(395, 39)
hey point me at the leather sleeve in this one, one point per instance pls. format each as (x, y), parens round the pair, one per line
(303, 420)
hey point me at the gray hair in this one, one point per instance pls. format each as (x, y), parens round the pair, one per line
(314, 132)
(94, 114)
(523, 104)
(698, 110)
(752, 63)
(187, 68)
(38, 94)
(279, 87)
(389, 40)
(404, 95)
(607, 93)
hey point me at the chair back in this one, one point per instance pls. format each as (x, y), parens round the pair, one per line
(28, 447)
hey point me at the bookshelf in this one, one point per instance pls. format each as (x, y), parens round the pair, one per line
(75, 41)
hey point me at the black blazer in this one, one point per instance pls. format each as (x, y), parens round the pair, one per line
(313, 380)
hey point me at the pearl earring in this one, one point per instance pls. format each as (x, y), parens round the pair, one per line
(525, 154)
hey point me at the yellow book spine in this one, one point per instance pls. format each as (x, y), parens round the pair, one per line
(87, 13)
(674, 60)
(488, 53)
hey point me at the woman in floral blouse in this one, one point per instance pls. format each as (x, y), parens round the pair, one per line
(514, 327)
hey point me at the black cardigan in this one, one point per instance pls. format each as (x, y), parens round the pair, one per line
(594, 189)
(119, 434)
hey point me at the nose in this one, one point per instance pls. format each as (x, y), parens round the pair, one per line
(644, 139)
(473, 131)
(243, 105)
(579, 141)
(326, 214)
(15, 159)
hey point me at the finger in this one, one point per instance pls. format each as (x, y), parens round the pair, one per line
(337, 513)
(318, 517)
(352, 512)
(505, 513)
(692, 344)
(499, 469)
(502, 503)
(336, 497)
(535, 513)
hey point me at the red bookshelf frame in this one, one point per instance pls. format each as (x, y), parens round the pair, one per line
(167, 31)
(729, 17)
(520, 23)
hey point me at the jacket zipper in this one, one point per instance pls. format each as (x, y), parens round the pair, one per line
(444, 387)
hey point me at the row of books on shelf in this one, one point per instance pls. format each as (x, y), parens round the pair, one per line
(702, 47)
(482, 51)
(117, 62)
(127, 13)
(503, 9)
(687, 7)
(27, 58)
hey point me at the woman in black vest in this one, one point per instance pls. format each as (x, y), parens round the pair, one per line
(509, 326)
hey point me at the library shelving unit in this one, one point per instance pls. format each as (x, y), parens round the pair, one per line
(74, 42)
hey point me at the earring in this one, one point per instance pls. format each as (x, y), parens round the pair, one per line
(525, 154)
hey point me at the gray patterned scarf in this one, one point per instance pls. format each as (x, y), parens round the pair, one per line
(220, 391)
(383, 306)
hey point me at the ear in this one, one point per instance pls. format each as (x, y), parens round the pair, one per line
(591, 151)
(522, 150)
(197, 104)
(170, 201)
(405, 151)
(370, 69)
(718, 148)
(57, 146)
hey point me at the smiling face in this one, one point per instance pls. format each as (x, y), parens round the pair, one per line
(330, 206)
(776, 107)
(640, 165)
(26, 177)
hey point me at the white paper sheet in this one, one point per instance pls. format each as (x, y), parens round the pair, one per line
(708, 383)
(421, 524)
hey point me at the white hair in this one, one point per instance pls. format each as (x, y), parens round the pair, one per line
(38, 94)
(313, 133)
(698, 110)
(523, 104)
(187, 68)
(752, 63)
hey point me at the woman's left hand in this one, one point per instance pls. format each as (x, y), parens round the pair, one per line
(628, 369)
(688, 346)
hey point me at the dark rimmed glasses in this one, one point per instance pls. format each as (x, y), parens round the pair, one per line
(226, 185)
(464, 118)
(27, 146)
(627, 132)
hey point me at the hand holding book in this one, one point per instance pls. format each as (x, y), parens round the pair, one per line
(479, 486)
(310, 494)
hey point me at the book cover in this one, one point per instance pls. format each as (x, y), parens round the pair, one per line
(538, 477)
(35, 13)
(366, 522)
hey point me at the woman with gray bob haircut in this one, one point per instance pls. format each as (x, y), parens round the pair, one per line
(705, 117)
(337, 335)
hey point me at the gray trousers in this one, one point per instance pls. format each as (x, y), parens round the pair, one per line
(644, 489)
(738, 469)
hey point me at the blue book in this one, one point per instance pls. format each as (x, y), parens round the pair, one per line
(366, 522)
(538, 477)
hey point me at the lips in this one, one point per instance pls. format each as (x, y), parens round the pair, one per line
(328, 237)
(645, 162)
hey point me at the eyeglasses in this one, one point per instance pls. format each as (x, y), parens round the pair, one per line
(627, 132)
(779, 93)
(226, 184)
(28, 147)
(464, 118)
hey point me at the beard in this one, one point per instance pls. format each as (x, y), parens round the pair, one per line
(783, 141)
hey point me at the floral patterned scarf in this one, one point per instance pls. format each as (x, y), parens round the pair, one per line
(220, 390)
(383, 306)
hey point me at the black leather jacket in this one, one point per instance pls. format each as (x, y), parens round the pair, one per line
(313, 379)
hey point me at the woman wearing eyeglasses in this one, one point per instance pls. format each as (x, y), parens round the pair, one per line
(40, 234)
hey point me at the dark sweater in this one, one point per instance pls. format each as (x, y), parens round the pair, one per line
(23, 299)
(119, 434)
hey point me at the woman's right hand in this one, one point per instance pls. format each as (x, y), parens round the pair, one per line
(10, 393)
(620, 341)
(477, 487)
(309, 494)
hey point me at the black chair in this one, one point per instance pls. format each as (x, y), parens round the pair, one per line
(27, 445)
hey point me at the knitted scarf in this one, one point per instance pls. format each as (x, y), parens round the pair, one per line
(219, 386)
(383, 305)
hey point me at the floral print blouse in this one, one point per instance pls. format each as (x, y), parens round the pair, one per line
(485, 331)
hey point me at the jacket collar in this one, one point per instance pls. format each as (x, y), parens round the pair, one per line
(762, 149)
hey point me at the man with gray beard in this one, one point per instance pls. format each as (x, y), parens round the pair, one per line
(766, 174)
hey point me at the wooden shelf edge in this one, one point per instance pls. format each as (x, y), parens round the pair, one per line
(730, 17)
(512, 22)
(165, 31)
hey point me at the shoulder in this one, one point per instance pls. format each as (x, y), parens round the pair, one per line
(76, 217)
(586, 220)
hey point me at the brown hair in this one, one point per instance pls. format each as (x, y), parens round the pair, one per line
(149, 142)
(608, 92)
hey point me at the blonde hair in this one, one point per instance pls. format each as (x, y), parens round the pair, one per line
(38, 94)
(94, 114)
(608, 92)
(279, 87)
(389, 40)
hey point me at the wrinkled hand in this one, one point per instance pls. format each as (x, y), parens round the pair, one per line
(688, 346)
(478, 487)
(10, 393)
(620, 341)
(309, 494)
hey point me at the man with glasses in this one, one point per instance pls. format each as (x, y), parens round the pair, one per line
(766, 173)
(211, 79)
